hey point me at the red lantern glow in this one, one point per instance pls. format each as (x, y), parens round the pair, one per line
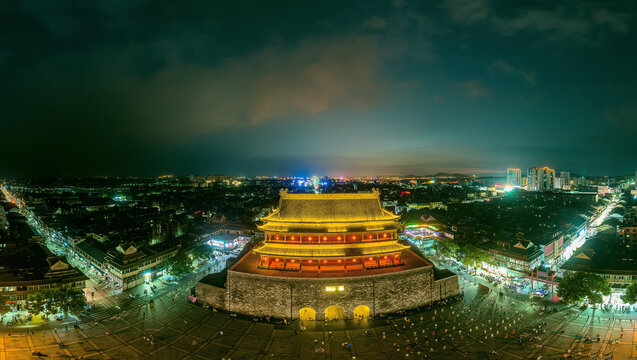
(324, 261)
(338, 238)
(397, 255)
(309, 238)
(371, 258)
(385, 235)
(292, 260)
(277, 259)
(385, 257)
(353, 260)
(292, 237)
(370, 236)
(324, 238)
(309, 261)
(277, 237)
(353, 237)
(339, 261)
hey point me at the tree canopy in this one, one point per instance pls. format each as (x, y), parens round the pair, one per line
(473, 255)
(447, 248)
(583, 286)
(4, 307)
(179, 264)
(51, 301)
(631, 294)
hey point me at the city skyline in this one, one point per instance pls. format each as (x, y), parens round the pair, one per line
(398, 88)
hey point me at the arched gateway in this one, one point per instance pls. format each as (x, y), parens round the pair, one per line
(361, 312)
(307, 314)
(334, 312)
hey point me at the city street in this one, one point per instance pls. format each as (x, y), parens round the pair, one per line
(483, 325)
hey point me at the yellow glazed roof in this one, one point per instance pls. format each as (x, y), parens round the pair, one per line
(330, 208)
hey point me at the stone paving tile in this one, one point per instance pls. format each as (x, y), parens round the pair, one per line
(167, 334)
(105, 341)
(228, 339)
(244, 354)
(129, 334)
(18, 354)
(167, 353)
(255, 343)
(185, 343)
(239, 326)
(280, 346)
(148, 325)
(204, 332)
(142, 345)
(262, 329)
(213, 350)
(125, 353)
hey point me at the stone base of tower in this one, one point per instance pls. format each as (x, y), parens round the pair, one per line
(318, 298)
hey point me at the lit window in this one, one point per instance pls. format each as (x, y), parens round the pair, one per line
(334, 288)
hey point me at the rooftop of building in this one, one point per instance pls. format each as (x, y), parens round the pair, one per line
(330, 208)
(250, 264)
(604, 254)
(519, 249)
(34, 263)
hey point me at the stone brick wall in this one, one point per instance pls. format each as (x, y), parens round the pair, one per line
(444, 288)
(212, 295)
(279, 297)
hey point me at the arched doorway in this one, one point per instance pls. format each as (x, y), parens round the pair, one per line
(361, 312)
(334, 312)
(307, 314)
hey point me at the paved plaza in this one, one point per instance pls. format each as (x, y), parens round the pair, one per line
(482, 325)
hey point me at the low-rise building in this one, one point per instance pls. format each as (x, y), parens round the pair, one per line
(31, 268)
(604, 255)
(516, 258)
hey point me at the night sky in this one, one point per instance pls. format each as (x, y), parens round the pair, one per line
(321, 88)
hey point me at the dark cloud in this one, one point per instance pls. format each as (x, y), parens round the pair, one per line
(504, 67)
(145, 87)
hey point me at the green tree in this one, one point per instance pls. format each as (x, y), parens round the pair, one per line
(71, 301)
(37, 301)
(201, 251)
(474, 255)
(179, 264)
(447, 248)
(4, 307)
(631, 294)
(582, 286)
